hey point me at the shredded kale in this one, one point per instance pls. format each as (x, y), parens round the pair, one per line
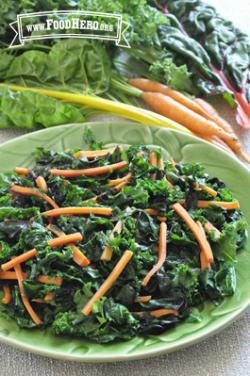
(180, 284)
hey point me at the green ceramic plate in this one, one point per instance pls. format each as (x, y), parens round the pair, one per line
(182, 148)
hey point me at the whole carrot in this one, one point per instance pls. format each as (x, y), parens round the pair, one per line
(156, 87)
(169, 107)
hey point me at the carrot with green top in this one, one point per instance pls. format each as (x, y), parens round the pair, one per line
(168, 107)
(89, 171)
(109, 282)
(156, 87)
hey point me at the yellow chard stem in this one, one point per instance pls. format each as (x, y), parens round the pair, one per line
(124, 110)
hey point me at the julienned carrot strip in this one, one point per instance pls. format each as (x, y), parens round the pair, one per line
(203, 204)
(19, 259)
(151, 211)
(25, 300)
(204, 245)
(162, 253)
(78, 257)
(223, 204)
(65, 239)
(50, 281)
(210, 227)
(163, 312)
(41, 278)
(121, 185)
(6, 295)
(48, 297)
(8, 275)
(89, 171)
(55, 230)
(78, 210)
(203, 254)
(107, 252)
(32, 192)
(22, 171)
(41, 183)
(93, 153)
(156, 87)
(109, 282)
(153, 163)
(120, 180)
(143, 298)
(208, 189)
(161, 219)
(160, 165)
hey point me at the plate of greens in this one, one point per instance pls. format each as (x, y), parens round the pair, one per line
(119, 241)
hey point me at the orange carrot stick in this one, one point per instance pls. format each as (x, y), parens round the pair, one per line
(204, 245)
(8, 275)
(151, 211)
(32, 192)
(50, 280)
(94, 153)
(162, 253)
(109, 282)
(25, 301)
(153, 163)
(210, 227)
(160, 165)
(208, 189)
(108, 252)
(156, 87)
(78, 257)
(203, 204)
(120, 180)
(6, 295)
(19, 259)
(65, 239)
(89, 171)
(55, 230)
(223, 204)
(163, 311)
(143, 298)
(48, 297)
(41, 183)
(22, 171)
(203, 256)
(78, 210)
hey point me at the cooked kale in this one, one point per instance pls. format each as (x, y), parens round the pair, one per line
(179, 285)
